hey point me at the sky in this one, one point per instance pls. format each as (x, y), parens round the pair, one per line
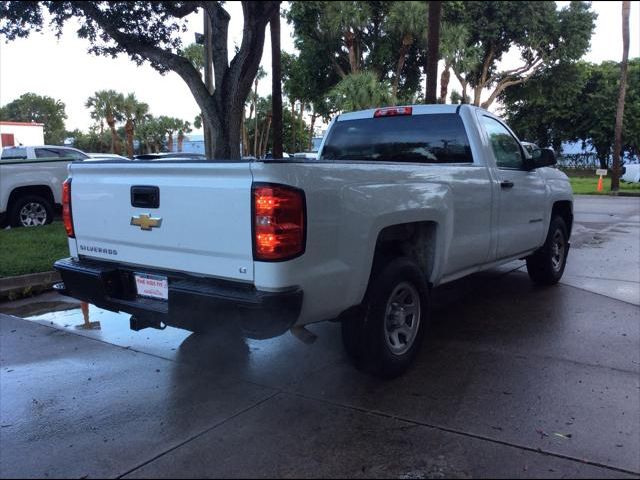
(62, 68)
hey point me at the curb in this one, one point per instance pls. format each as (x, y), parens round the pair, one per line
(12, 288)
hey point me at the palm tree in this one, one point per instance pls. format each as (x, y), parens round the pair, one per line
(615, 179)
(361, 91)
(259, 76)
(346, 20)
(407, 20)
(105, 104)
(184, 128)
(170, 125)
(133, 111)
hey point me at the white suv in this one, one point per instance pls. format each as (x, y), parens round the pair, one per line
(31, 182)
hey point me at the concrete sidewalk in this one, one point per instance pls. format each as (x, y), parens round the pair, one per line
(513, 381)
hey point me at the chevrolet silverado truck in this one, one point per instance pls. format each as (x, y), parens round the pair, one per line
(398, 201)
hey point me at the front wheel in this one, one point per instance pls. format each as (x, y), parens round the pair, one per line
(387, 336)
(546, 266)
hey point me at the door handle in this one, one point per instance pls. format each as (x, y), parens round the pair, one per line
(145, 196)
(506, 184)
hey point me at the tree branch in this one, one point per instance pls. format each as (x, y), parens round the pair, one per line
(509, 82)
(183, 9)
(133, 45)
(219, 18)
(244, 65)
(337, 68)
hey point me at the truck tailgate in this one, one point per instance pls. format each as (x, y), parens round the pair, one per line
(203, 218)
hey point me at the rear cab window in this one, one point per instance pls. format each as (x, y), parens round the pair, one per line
(424, 138)
(14, 154)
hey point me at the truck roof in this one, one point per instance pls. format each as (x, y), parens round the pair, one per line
(416, 110)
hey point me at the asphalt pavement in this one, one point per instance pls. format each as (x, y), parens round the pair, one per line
(513, 381)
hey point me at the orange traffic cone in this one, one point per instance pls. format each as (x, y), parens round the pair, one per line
(600, 184)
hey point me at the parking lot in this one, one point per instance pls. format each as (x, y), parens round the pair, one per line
(513, 381)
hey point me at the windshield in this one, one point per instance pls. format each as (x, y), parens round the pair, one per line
(432, 138)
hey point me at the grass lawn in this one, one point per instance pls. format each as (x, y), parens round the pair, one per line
(589, 186)
(31, 250)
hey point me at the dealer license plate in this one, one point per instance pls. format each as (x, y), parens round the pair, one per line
(152, 286)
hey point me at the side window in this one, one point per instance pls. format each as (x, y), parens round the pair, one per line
(505, 147)
(47, 154)
(68, 154)
(14, 153)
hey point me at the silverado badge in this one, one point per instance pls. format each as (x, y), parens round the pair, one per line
(146, 222)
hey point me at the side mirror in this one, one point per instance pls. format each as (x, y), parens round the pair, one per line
(543, 157)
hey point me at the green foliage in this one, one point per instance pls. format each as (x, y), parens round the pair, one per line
(91, 141)
(151, 134)
(335, 37)
(106, 105)
(359, 91)
(152, 31)
(131, 109)
(32, 250)
(289, 123)
(573, 102)
(31, 107)
(543, 35)
(194, 52)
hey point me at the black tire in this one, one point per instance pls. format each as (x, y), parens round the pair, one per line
(372, 340)
(39, 206)
(546, 266)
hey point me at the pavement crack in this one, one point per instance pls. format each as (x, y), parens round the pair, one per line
(198, 435)
(464, 434)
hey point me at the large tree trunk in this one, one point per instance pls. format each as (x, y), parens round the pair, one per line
(265, 143)
(170, 141)
(407, 41)
(617, 148)
(444, 83)
(302, 124)
(313, 122)
(115, 141)
(208, 80)
(276, 85)
(244, 135)
(129, 131)
(293, 126)
(180, 140)
(350, 43)
(433, 45)
(255, 123)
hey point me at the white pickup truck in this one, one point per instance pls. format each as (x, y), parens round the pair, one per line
(398, 201)
(31, 182)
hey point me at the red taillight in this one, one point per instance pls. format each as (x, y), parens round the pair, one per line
(392, 112)
(279, 222)
(66, 208)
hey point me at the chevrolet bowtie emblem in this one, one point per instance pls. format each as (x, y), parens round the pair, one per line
(146, 222)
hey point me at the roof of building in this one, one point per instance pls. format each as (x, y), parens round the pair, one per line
(23, 124)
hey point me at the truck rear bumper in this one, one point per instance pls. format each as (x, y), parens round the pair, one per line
(194, 303)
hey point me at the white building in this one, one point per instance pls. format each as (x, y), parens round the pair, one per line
(21, 133)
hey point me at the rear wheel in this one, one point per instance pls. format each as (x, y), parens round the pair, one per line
(546, 266)
(31, 211)
(385, 339)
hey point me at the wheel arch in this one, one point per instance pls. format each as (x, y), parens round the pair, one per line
(43, 191)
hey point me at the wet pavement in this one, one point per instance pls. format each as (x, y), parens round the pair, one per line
(513, 381)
